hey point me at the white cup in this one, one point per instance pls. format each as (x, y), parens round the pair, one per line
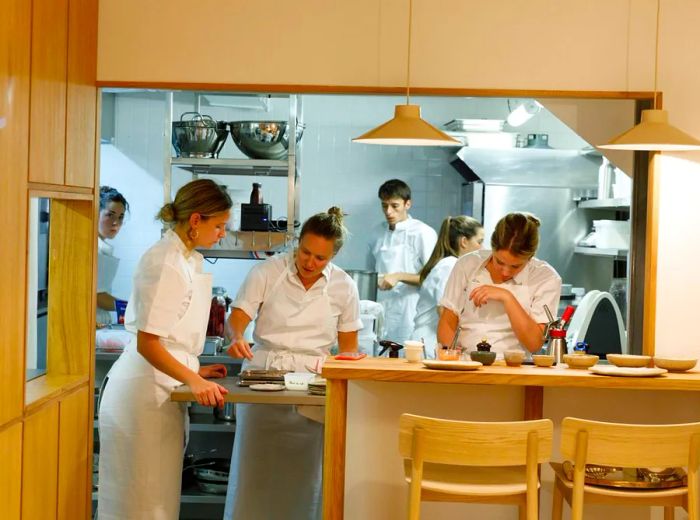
(414, 351)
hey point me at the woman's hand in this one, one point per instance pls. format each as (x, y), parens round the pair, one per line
(212, 371)
(240, 348)
(388, 281)
(208, 393)
(485, 293)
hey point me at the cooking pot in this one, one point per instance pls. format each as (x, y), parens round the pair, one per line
(366, 283)
(210, 474)
(197, 135)
(226, 413)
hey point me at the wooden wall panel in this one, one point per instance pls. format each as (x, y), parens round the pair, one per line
(10, 470)
(81, 112)
(48, 91)
(73, 456)
(15, 25)
(72, 252)
(40, 464)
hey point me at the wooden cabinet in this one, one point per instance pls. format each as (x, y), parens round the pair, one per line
(10, 470)
(75, 422)
(40, 464)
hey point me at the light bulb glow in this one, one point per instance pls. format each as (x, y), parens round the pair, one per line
(523, 113)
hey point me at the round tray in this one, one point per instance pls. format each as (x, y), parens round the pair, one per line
(632, 478)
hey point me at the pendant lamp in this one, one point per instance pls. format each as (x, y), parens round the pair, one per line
(407, 128)
(654, 133)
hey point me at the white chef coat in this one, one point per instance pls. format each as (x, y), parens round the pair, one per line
(276, 466)
(538, 284)
(426, 321)
(405, 249)
(142, 432)
(107, 265)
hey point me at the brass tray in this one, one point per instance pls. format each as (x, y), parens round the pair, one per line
(631, 478)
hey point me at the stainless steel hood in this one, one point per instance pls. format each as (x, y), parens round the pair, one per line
(550, 167)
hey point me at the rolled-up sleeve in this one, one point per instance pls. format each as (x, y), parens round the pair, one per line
(252, 293)
(349, 319)
(545, 291)
(159, 293)
(453, 296)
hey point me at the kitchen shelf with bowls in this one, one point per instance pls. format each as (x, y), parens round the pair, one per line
(598, 251)
(272, 150)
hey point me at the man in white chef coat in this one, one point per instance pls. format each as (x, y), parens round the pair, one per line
(399, 250)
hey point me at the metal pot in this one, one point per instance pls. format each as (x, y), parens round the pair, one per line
(227, 413)
(366, 283)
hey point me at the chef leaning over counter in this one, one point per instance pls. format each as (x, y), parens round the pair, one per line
(302, 304)
(142, 432)
(499, 295)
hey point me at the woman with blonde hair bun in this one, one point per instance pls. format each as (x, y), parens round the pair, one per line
(303, 305)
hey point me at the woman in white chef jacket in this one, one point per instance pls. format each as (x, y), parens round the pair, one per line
(302, 305)
(458, 236)
(499, 295)
(113, 208)
(141, 431)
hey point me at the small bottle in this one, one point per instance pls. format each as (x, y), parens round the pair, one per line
(256, 195)
(217, 312)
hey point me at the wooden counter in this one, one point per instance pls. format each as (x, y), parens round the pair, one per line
(532, 379)
(242, 394)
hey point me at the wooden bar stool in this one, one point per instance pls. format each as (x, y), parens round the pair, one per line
(627, 446)
(482, 462)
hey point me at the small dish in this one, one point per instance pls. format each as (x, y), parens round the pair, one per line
(267, 387)
(451, 365)
(444, 354)
(514, 358)
(609, 370)
(675, 364)
(483, 356)
(543, 360)
(628, 360)
(580, 361)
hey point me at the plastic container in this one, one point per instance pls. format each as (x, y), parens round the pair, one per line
(413, 351)
(612, 234)
(298, 380)
(120, 307)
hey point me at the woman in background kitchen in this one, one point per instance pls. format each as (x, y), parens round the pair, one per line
(302, 305)
(113, 208)
(499, 295)
(142, 433)
(458, 236)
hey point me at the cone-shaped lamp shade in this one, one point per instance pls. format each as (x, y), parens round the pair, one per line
(653, 134)
(407, 129)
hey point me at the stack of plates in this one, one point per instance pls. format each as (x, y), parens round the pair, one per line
(317, 387)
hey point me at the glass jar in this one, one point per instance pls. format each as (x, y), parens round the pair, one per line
(217, 312)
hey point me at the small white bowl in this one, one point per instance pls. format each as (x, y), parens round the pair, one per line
(543, 360)
(413, 350)
(628, 360)
(298, 380)
(514, 358)
(675, 364)
(580, 361)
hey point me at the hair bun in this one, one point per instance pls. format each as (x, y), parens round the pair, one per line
(336, 212)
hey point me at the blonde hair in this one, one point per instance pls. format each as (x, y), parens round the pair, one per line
(202, 196)
(328, 225)
(451, 230)
(518, 233)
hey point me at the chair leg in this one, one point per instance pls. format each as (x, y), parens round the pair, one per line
(557, 502)
(668, 513)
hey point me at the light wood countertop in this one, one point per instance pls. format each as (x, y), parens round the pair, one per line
(242, 394)
(399, 370)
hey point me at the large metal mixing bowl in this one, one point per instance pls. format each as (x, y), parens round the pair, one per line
(263, 139)
(199, 136)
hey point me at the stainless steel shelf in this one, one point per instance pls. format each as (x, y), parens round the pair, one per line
(619, 204)
(595, 251)
(206, 422)
(239, 244)
(250, 167)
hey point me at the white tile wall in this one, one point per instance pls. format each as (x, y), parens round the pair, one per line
(333, 170)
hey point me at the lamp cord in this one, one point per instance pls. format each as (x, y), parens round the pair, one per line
(656, 53)
(408, 57)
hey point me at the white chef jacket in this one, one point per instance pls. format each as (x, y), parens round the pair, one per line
(538, 284)
(340, 288)
(107, 265)
(430, 292)
(405, 249)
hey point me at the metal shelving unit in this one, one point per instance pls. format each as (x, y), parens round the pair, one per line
(615, 204)
(240, 244)
(607, 252)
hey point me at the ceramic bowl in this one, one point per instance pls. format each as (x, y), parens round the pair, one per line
(625, 360)
(485, 358)
(580, 361)
(675, 364)
(514, 358)
(543, 360)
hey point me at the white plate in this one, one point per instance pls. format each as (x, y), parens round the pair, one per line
(609, 370)
(267, 387)
(451, 365)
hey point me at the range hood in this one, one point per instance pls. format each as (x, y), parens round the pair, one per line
(530, 166)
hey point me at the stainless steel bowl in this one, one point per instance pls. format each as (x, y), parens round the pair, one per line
(263, 139)
(197, 135)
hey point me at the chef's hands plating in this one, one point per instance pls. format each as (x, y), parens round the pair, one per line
(212, 371)
(482, 294)
(240, 348)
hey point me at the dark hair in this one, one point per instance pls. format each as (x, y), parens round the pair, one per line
(518, 233)
(394, 189)
(328, 225)
(109, 194)
(202, 196)
(452, 229)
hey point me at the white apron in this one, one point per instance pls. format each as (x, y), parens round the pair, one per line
(276, 466)
(490, 321)
(107, 266)
(400, 302)
(141, 431)
(426, 330)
